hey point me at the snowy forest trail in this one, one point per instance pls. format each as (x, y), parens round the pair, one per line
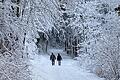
(42, 69)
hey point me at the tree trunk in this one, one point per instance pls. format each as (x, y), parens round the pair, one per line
(46, 46)
(24, 39)
(17, 13)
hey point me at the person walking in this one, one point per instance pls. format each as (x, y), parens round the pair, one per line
(59, 58)
(52, 58)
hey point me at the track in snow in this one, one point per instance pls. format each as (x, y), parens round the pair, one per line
(42, 69)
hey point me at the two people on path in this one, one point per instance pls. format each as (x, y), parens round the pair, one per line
(53, 58)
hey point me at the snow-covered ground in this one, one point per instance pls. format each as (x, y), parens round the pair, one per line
(42, 69)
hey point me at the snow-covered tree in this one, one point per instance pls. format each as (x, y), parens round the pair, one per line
(13, 60)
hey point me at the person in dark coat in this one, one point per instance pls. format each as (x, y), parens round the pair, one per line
(59, 58)
(52, 58)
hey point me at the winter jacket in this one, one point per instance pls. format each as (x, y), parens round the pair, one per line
(52, 57)
(59, 58)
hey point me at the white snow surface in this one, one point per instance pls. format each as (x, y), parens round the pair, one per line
(41, 69)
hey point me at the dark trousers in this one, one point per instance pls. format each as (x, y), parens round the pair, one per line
(53, 62)
(59, 63)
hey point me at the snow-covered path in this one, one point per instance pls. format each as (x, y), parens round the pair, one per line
(69, 70)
